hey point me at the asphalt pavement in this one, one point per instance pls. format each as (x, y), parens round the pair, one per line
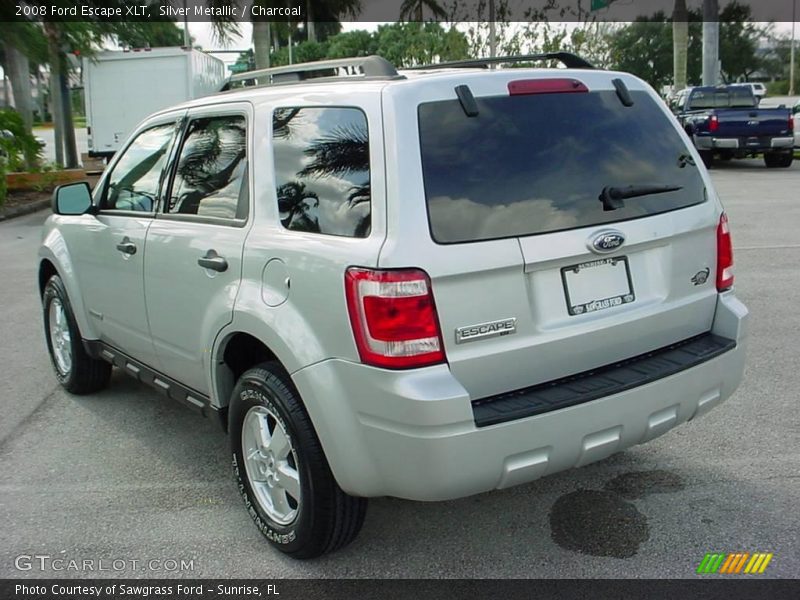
(126, 475)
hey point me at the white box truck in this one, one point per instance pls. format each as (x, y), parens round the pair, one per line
(122, 87)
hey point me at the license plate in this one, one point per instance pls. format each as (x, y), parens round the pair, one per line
(597, 285)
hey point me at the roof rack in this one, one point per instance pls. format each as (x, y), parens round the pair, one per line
(374, 67)
(568, 59)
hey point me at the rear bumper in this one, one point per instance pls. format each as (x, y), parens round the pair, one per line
(744, 144)
(412, 434)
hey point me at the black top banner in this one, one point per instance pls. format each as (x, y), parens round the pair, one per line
(369, 10)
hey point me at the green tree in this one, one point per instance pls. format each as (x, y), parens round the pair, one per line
(22, 44)
(266, 34)
(738, 42)
(645, 47)
(352, 43)
(410, 44)
(592, 41)
(63, 37)
(775, 63)
(295, 203)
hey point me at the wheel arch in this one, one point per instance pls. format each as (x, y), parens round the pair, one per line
(46, 270)
(235, 351)
(54, 259)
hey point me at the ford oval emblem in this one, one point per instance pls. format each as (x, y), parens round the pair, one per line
(606, 241)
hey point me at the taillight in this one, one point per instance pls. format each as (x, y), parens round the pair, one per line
(724, 255)
(713, 123)
(393, 317)
(791, 123)
(520, 87)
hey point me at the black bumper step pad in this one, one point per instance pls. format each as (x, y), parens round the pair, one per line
(600, 382)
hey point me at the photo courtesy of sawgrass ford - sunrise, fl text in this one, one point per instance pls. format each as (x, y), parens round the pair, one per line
(399, 298)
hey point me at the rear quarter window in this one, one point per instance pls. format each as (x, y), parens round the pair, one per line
(534, 164)
(322, 170)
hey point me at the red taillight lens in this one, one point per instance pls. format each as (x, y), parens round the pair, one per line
(713, 123)
(724, 255)
(791, 123)
(393, 317)
(521, 87)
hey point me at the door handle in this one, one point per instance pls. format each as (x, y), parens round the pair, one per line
(126, 246)
(213, 261)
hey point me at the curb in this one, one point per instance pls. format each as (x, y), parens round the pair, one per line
(25, 209)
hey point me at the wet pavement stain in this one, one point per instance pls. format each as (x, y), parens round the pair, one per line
(640, 483)
(600, 523)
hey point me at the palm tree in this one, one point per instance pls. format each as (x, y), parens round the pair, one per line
(328, 10)
(59, 92)
(412, 10)
(295, 202)
(281, 122)
(211, 146)
(344, 150)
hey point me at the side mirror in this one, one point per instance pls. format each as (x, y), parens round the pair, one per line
(72, 199)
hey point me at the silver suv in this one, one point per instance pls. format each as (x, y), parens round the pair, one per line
(424, 284)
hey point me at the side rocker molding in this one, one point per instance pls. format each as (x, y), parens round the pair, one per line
(166, 385)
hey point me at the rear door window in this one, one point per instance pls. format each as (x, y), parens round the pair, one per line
(534, 164)
(210, 179)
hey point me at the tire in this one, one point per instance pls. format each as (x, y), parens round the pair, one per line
(75, 370)
(268, 423)
(708, 158)
(778, 160)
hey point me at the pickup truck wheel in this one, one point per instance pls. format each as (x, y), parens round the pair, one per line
(75, 370)
(708, 158)
(281, 470)
(777, 160)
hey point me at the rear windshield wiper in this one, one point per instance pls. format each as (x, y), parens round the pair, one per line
(613, 197)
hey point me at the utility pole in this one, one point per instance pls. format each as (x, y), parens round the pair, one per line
(710, 42)
(792, 50)
(680, 42)
(492, 31)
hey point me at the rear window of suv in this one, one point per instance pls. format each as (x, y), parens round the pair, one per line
(534, 164)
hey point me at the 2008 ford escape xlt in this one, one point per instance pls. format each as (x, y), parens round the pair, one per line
(426, 283)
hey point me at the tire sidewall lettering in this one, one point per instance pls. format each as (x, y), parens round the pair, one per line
(249, 397)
